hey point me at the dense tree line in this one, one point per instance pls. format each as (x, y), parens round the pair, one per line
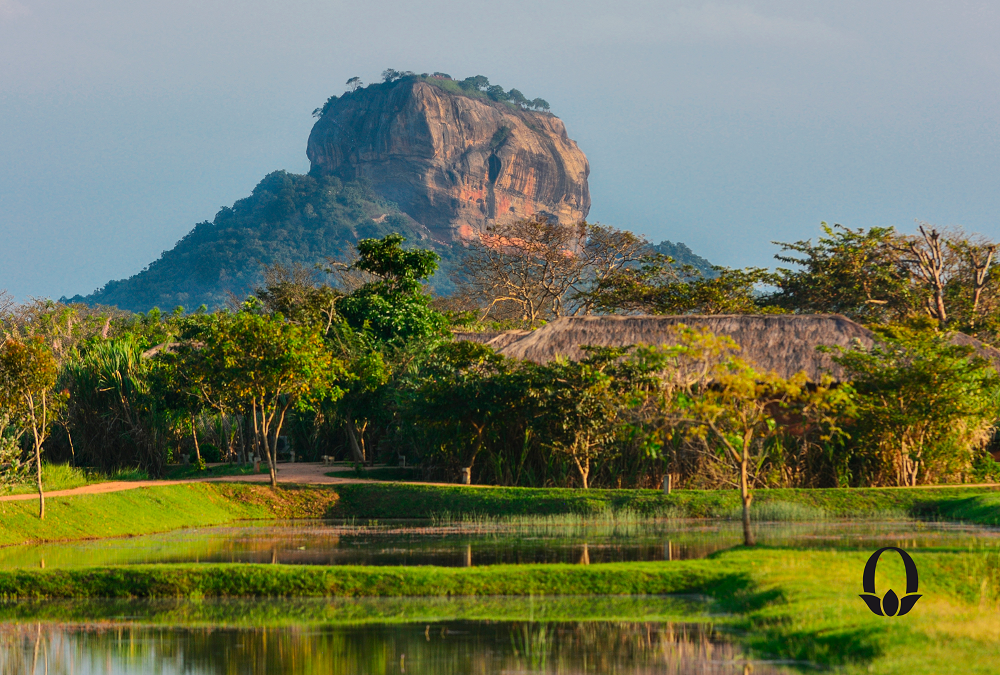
(357, 360)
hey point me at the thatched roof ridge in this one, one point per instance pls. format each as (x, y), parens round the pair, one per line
(783, 343)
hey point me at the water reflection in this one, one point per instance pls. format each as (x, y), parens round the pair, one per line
(441, 648)
(325, 543)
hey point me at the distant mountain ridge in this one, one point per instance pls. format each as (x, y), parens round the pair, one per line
(682, 255)
(289, 218)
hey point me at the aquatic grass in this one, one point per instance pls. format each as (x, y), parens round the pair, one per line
(254, 580)
(303, 612)
(395, 500)
(778, 511)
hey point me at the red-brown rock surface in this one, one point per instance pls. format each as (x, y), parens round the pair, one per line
(451, 162)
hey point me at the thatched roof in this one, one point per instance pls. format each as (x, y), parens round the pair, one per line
(783, 343)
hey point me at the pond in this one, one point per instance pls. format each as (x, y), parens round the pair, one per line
(467, 543)
(424, 648)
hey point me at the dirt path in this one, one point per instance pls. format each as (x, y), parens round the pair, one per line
(302, 473)
(305, 473)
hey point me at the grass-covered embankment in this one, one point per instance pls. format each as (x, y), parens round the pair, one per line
(781, 603)
(241, 580)
(401, 500)
(165, 508)
(157, 509)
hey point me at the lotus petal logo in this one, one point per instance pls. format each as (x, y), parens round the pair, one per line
(890, 604)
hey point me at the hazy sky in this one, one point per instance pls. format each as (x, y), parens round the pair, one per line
(724, 125)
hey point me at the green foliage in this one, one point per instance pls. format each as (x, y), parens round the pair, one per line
(925, 408)
(116, 415)
(392, 306)
(659, 286)
(28, 373)
(288, 219)
(261, 366)
(851, 272)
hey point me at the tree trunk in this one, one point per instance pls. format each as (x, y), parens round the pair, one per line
(359, 456)
(38, 453)
(748, 538)
(72, 450)
(584, 469)
(194, 434)
(261, 434)
(38, 474)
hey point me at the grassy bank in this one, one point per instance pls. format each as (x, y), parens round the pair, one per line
(780, 603)
(157, 509)
(400, 500)
(318, 612)
(160, 509)
(225, 580)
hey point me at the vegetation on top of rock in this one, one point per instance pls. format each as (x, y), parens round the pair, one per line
(477, 86)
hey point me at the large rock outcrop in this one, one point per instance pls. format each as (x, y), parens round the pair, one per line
(452, 162)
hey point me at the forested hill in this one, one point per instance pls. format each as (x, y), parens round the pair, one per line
(289, 218)
(683, 255)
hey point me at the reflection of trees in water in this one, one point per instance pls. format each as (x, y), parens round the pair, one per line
(475, 648)
(490, 541)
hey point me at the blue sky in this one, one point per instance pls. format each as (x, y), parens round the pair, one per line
(724, 125)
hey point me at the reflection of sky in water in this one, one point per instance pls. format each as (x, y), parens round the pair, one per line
(321, 543)
(441, 648)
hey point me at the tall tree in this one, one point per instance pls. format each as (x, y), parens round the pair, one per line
(262, 366)
(534, 270)
(392, 305)
(856, 273)
(658, 286)
(924, 405)
(28, 372)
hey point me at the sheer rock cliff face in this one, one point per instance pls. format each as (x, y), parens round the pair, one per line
(451, 162)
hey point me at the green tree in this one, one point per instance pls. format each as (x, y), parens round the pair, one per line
(262, 366)
(925, 406)
(460, 393)
(658, 286)
(723, 409)
(28, 373)
(114, 409)
(393, 306)
(580, 408)
(856, 273)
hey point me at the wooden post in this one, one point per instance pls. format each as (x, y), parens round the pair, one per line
(467, 476)
(666, 484)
